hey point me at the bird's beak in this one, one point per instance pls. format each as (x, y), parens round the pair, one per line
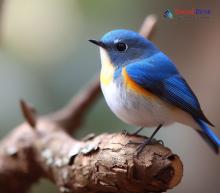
(98, 43)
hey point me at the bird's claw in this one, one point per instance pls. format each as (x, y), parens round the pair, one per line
(160, 142)
(141, 145)
(124, 132)
(140, 149)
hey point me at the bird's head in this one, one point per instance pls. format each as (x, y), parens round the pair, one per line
(125, 46)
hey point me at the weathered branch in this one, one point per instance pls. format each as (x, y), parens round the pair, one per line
(106, 163)
(42, 147)
(148, 26)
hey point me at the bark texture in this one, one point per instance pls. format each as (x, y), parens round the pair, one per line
(105, 163)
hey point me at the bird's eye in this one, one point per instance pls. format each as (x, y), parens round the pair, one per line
(121, 46)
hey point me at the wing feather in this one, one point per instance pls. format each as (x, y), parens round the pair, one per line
(158, 75)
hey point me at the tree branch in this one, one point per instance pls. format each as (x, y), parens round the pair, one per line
(106, 163)
(42, 147)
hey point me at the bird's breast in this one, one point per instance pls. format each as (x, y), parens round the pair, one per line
(132, 107)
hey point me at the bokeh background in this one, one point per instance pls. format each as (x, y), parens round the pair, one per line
(45, 58)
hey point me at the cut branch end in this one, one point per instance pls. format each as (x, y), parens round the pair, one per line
(29, 113)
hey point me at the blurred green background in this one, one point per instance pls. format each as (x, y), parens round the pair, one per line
(45, 58)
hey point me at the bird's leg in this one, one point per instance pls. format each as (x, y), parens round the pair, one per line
(134, 133)
(146, 141)
(137, 131)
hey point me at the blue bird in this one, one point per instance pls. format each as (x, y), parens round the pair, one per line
(143, 87)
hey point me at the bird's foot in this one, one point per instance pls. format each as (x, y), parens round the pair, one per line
(147, 141)
(160, 142)
(137, 131)
(124, 132)
(141, 145)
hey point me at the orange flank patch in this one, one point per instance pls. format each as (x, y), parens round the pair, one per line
(131, 84)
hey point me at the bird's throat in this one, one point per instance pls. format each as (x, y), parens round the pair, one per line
(107, 70)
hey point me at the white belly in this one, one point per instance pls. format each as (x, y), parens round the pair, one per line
(136, 109)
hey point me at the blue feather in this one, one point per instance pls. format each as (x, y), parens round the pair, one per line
(209, 135)
(158, 75)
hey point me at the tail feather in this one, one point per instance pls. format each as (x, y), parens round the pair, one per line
(209, 136)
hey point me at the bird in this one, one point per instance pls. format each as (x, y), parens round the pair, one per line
(143, 87)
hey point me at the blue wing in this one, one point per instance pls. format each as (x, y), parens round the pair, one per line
(158, 75)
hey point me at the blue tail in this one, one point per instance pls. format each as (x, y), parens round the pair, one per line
(209, 136)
